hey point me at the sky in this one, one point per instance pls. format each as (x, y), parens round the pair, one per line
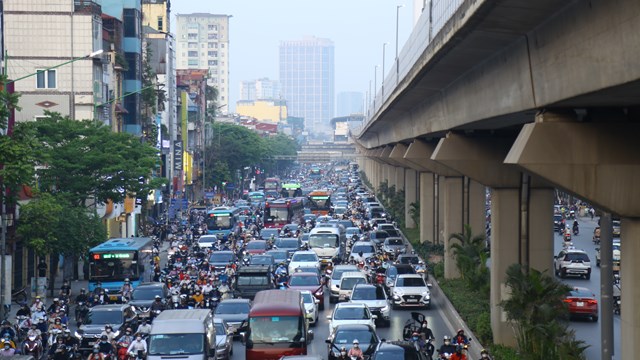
(358, 29)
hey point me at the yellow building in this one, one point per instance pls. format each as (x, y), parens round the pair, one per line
(264, 110)
(154, 14)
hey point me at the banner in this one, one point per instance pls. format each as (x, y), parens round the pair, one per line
(177, 155)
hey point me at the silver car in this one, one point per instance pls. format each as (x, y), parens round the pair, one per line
(394, 246)
(224, 339)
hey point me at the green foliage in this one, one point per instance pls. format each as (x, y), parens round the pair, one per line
(220, 172)
(469, 304)
(414, 213)
(471, 259)
(482, 327)
(438, 270)
(149, 96)
(279, 144)
(365, 180)
(83, 159)
(393, 202)
(18, 158)
(211, 94)
(537, 312)
(501, 352)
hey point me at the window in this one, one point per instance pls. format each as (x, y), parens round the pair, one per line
(213, 27)
(222, 46)
(193, 45)
(213, 45)
(131, 23)
(193, 36)
(212, 63)
(213, 36)
(160, 23)
(193, 54)
(213, 54)
(46, 79)
(193, 62)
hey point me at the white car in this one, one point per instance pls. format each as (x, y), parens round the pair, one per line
(351, 314)
(207, 241)
(362, 250)
(334, 280)
(310, 306)
(410, 290)
(375, 297)
(305, 259)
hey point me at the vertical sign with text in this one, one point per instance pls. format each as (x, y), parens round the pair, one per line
(177, 155)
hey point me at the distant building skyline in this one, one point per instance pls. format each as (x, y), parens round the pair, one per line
(203, 43)
(349, 103)
(260, 89)
(307, 78)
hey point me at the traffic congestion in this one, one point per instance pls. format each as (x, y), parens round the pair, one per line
(308, 266)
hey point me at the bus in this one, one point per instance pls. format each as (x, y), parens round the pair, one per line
(315, 174)
(319, 202)
(115, 260)
(272, 184)
(277, 326)
(223, 220)
(278, 213)
(291, 190)
(257, 198)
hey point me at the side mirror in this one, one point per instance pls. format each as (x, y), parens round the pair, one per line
(243, 338)
(328, 341)
(337, 286)
(429, 285)
(309, 335)
(328, 317)
(316, 301)
(374, 317)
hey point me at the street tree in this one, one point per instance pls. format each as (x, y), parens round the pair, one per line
(279, 144)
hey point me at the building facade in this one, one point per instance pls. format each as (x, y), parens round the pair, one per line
(350, 102)
(203, 43)
(307, 77)
(274, 111)
(260, 89)
(40, 36)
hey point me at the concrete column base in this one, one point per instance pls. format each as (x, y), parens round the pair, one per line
(630, 293)
(453, 221)
(410, 196)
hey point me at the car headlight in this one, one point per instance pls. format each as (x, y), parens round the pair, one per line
(426, 295)
(77, 335)
(134, 308)
(385, 308)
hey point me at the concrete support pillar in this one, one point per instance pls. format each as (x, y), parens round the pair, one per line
(453, 221)
(630, 297)
(506, 249)
(399, 178)
(474, 206)
(427, 207)
(439, 209)
(410, 196)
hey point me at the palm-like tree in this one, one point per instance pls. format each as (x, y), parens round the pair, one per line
(471, 258)
(537, 311)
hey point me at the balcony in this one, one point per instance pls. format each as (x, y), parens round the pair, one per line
(88, 7)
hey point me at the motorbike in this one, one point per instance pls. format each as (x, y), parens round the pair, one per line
(32, 347)
(81, 312)
(412, 325)
(616, 305)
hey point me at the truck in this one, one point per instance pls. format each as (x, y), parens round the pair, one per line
(253, 278)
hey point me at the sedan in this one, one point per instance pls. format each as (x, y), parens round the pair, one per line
(346, 335)
(582, 303)
(394, 246)
(303, 259)
(310, 306)
(308, 281)
(235, 312)
(224, 339)
(362, 250)
(256, 247)
(351, 313)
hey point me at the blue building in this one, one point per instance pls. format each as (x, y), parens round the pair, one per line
(130, 13)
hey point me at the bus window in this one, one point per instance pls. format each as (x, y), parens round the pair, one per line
(219, 222)
(270, 329)
(114, 266)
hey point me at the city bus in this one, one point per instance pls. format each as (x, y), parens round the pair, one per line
(223, 220)
(278, 213)
(291, 190)
(257, 198)
(277, 326)
(315, 174)
(319, 202)
(272, 184)
(115, 260)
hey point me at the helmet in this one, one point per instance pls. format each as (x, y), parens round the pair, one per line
(103, 337)
(56, 299)
(355, 341)
(157, 297)
(446, 337)
(5, 322)
(484, 351)
(126, 280)
(460, 331)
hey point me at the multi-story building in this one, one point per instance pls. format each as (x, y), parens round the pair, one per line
(48, 45)
(307, 78)
(350, 102)
(273, 111)
(261, 89)
(203, 43)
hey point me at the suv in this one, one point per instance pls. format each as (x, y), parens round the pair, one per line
(375, 297)
(334, 281)
(119, 316)
(397, 350)
(411, 290)
(144, 295)
(572, 262)
(348, 281)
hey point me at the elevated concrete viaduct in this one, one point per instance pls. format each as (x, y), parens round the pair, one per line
(519, 97)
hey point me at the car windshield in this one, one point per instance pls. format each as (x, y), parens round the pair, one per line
(412, 260)
(337, 273)
(256, 245)
(344, 337)
(365, 249)
(278, 255)
(207, 239)
(350, 313)
(580, 293)
(232, 308)
(304, 257)
(396, 354)
(576, 257)
(267, 233)
(368, 293)
(276, 329)
(410, 282)
(304, 281)
(104, 317)
(261, 260)
(350, 282)
(379, 235)
(307, 298)
(221, 257)
(248, 280)
(323, 240)
(394, 242)
(176, 344)
(287, 243)
(146, 293)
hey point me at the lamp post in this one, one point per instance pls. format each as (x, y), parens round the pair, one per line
(375, 86)
(397, 27)
(92, 55)
(384, 46)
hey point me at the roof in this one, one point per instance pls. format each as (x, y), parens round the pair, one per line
(277, 302)
(122, 244)
(184, 321)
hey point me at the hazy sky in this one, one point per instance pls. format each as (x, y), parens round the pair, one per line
(358, 29)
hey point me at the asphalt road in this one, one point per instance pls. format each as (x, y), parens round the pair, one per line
(585, 330)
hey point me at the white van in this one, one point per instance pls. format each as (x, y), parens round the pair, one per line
(188, 334)
(348, 281)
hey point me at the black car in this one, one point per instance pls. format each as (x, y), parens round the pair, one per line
(119, 316)
(397, 350)
(236, 313)
(290, 244)
(220, 259)
(557, 222)
(397, 269)
(144, 295)
(279, 256)
(345, 335)
(263, 259)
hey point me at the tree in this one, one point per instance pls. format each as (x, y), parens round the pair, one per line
(211, 96)
(279, 144)
(471, 258)
(236, 146)
(537, 311)
(80, 160)
(149, 96)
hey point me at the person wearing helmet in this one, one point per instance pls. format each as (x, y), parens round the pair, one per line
(70, 340)
(126, 339)
(425, 331)
(126, 289)
(355, 351)
(108, 332)
(6, 350)
(343, 354)
(459, 354)
(157, 304)
(7, 330)
(96, 354)
(6, 340)
(418, 341)
(58, 350)
(460, 338)
(144, 328)
(447, 347)
(82, 297)
(105, 345)
(484, 355)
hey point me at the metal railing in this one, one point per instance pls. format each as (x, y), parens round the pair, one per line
(432, 20)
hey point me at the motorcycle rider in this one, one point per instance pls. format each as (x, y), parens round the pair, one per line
(144, 328)
(7, 351)
(96, 354)
(138, 347)
(7, 329)
(157, 304)
(447, 347)
(459, 355)
(343, 354)
(58, 351)
(108, 334)
(417, 341)
(6, 340)
(460, 338)
(70, 340)
(82, 297)
(425, 331)
(575, 227)
(484, 355)
(355, 350)
(105, 345)
(126, 289)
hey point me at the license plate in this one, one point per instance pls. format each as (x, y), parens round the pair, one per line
(579, 303)
(412, 300)
(91, 343)
(113, 297)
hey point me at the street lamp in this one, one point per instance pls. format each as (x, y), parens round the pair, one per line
(91, 55)
(375, 86)
(384, 46)
(397, 25)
